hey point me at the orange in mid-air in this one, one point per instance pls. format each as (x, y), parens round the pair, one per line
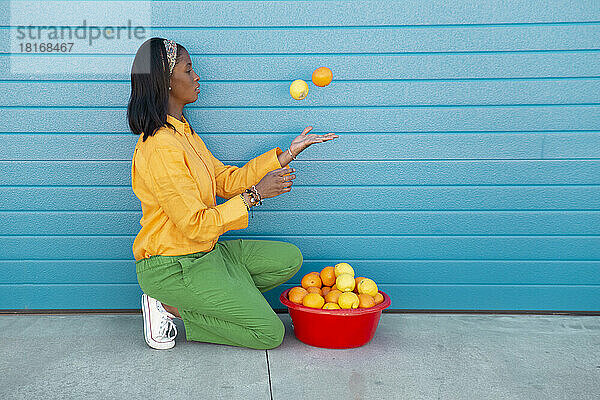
(328, 276)
(322, 76)
(310, 279)
(296, 294)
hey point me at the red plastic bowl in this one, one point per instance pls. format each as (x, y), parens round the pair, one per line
(334, 329)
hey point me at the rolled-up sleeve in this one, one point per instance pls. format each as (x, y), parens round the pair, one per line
(232, 180)
(178, 195)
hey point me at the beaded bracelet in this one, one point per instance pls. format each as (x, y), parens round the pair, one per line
(255, 198)
(257, 195)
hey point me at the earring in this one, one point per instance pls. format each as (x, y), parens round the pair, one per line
(169, 87)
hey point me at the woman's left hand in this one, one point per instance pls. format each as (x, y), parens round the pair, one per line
(304, 140)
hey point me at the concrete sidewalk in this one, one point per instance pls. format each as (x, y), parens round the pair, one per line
(412, 356)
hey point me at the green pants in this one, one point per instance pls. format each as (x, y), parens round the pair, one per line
(219, 293)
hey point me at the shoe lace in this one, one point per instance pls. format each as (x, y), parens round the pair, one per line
(167, 328)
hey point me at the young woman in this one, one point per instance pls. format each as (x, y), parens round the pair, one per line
(184, 271)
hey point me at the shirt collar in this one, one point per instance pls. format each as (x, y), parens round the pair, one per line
(181, 126)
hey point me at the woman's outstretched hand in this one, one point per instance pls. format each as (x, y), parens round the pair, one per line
(276, 182)
(305, 139)
(280, 180)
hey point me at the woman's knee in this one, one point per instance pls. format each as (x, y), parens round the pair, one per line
(296, 257)
(271, 335)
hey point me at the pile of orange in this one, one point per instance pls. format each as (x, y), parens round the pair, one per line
(335, 288)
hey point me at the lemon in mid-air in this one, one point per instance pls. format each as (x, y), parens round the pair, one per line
(299, 89)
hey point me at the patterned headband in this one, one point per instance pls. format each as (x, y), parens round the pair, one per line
(171, 48)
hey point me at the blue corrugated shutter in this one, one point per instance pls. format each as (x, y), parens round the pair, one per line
(466, 174)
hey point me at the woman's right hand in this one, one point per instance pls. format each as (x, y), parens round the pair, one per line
(276, 182)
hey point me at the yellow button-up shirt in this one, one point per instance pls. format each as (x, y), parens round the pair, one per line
(177, 179)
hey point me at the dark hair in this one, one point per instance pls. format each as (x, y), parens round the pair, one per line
(149, 99)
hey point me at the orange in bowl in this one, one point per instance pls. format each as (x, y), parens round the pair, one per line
(333, 295)
(311, 279)
(313, 300)
(328, 276)
(314, 289)
(296, 294)
(365, 301)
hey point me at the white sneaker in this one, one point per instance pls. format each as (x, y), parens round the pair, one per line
(159, 329)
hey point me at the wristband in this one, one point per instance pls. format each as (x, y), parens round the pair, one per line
(290, 151)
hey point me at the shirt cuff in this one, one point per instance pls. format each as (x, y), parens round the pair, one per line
(267, 162)
(235, 214)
